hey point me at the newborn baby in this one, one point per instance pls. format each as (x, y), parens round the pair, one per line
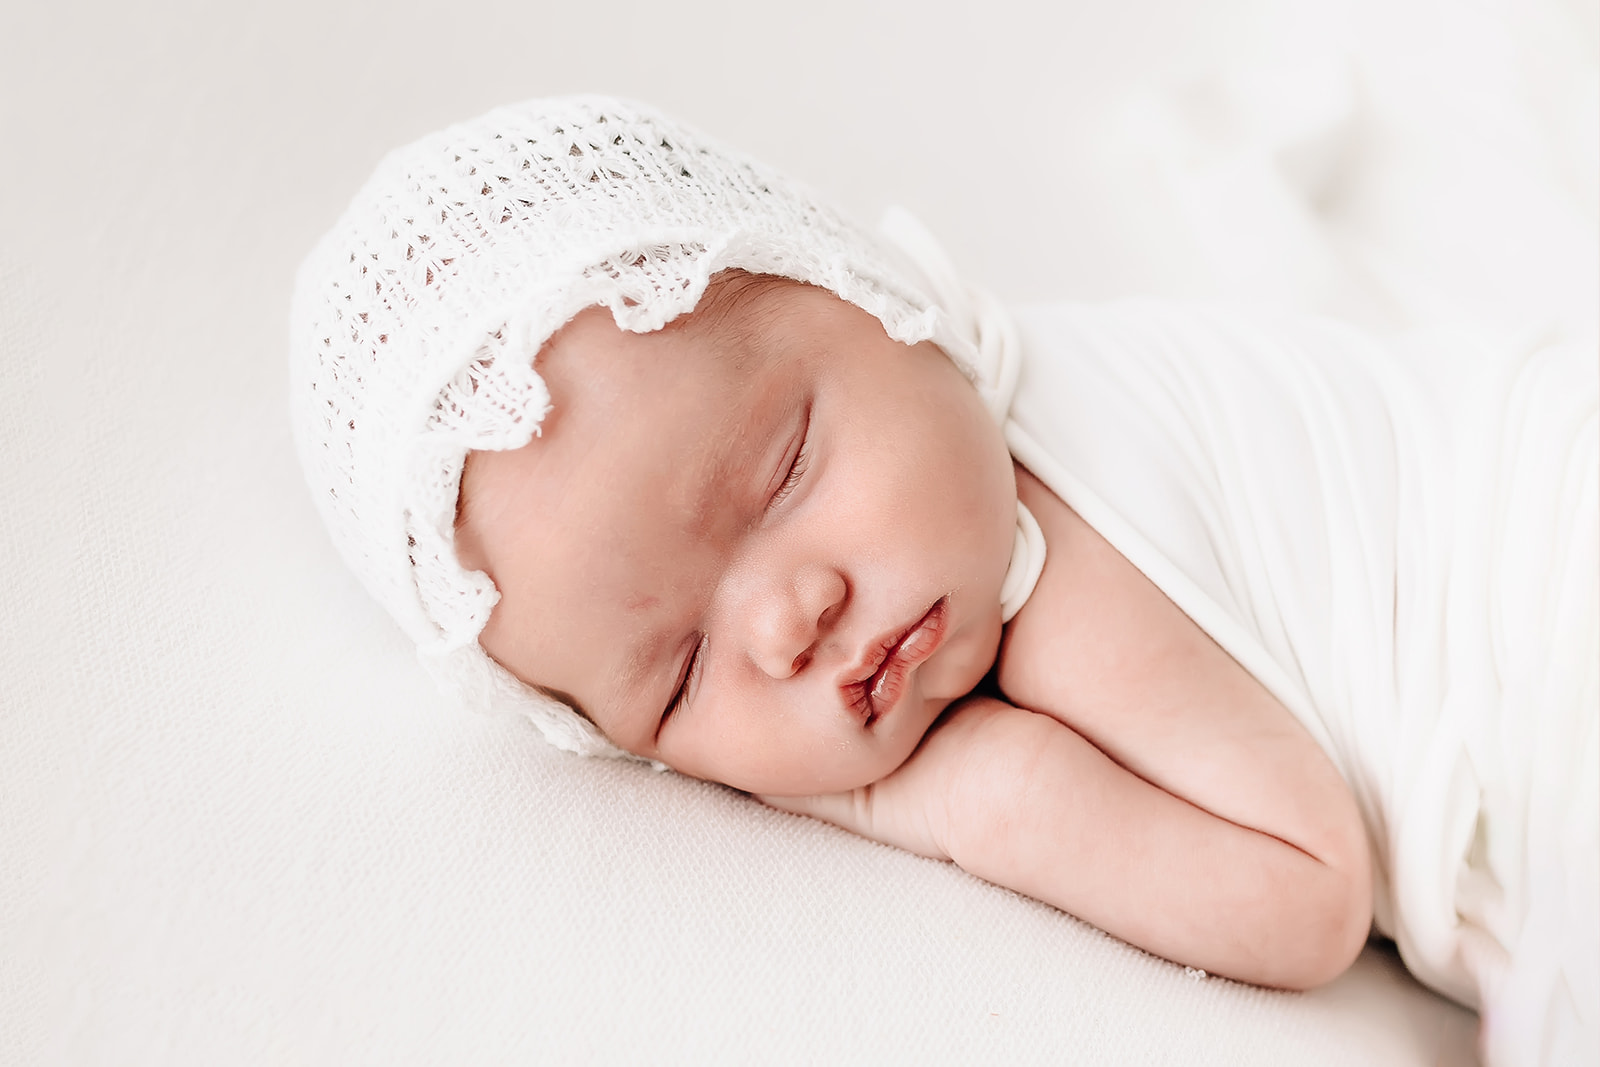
(635, 437)
(777, 539)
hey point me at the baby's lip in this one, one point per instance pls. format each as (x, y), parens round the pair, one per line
(874, 686)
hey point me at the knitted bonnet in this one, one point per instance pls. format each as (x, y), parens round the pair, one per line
(418, 318)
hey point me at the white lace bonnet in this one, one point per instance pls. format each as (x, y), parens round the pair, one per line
(417, 319)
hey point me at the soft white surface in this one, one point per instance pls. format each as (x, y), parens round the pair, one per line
(238, 824)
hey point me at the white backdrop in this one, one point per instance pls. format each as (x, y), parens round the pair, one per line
(237, 825)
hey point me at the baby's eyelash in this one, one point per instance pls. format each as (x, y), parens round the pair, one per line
(682, 694)
(796, 472)
(797, 469)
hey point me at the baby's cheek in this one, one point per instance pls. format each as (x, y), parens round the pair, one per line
(750, 757)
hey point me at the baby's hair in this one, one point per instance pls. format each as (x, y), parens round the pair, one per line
(729, 292)
(724, 310)
(564, 698)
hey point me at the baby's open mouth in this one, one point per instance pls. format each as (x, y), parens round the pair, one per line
(876, 694)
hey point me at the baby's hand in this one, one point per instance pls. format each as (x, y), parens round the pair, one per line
(909, 809)
(1022, 800)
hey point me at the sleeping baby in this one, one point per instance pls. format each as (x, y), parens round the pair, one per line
(1234, 635)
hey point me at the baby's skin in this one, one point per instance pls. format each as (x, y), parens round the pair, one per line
(764, 546)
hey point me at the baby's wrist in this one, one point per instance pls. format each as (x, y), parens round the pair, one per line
(963, 753)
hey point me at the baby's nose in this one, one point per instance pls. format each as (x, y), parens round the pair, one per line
(791, 616)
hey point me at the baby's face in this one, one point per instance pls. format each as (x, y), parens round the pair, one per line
(763, 545)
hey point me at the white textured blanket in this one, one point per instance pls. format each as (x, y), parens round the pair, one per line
(1401, 542)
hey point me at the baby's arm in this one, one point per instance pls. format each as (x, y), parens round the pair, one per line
(1018, 799)
(1156, 790)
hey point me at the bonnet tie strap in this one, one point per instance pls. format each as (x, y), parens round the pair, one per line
(1027, 563)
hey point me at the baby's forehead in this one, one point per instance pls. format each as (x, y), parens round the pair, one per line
(702, 374)
(742, 327)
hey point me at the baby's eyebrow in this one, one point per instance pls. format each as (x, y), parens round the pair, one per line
(565, 698)
(642, 656)
(716, 481)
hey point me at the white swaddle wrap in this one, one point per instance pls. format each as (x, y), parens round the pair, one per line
(1400, 541)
